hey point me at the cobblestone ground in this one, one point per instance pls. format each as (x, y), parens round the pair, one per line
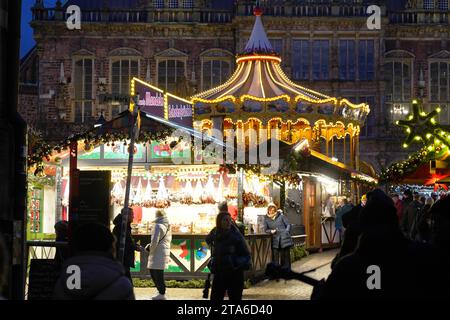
(265, 290)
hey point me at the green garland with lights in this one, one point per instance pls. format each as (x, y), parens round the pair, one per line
(42, 151)
(420, 127)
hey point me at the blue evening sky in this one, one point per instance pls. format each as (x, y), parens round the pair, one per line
(27, 41)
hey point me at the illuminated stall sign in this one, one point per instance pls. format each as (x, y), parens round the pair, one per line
(151, 100)
(180, 111)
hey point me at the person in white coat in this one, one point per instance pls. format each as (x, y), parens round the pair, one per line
(159, 252)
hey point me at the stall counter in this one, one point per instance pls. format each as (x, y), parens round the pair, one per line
(189, 256)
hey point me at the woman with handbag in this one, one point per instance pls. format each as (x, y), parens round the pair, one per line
(230, 257)
(276, 223)
(159, 252)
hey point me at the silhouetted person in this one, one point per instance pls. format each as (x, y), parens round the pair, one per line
(230, 257)
(382, 249)
(351, 224)
(101, 276)
(61, 231)
(423, 222)
(4, 261)
(440, 238)
(130, 245)
(410, 215)
(398, 203)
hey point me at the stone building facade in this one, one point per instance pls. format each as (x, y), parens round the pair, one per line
(325, 45)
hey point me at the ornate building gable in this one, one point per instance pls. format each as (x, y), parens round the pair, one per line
(124, 52)
(399, 54)
(171, 53)
(442, 55)
(83, 53)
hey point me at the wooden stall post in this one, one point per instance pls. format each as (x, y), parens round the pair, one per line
(74, 188)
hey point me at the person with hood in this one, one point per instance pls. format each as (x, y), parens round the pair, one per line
(130, 245)
(385, 265)
(159, 252)
(101, 276)
(230, 257)
(276, 224)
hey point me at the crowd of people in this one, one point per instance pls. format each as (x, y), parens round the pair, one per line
(405, 237)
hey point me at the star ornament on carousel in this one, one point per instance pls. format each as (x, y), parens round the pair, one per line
(423, 127)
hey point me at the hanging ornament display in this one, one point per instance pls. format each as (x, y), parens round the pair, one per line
(219, 194)
(137, 198)
(198, 192)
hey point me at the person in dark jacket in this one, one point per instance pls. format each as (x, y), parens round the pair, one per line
(398, 206)
(424, 221)
(343, 208)
(276, 223)
(130, 245)
(410, 215)
(230, 257)
(101, 277)
(385, 265)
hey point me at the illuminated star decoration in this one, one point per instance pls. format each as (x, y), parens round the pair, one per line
(423, 127)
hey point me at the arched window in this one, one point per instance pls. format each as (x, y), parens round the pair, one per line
(83, 74)
(216, 68)
(159, 4)
(398, 71)
(188, 4)
(173, 4)
(124, 66)
(428, 4)
(171, 65)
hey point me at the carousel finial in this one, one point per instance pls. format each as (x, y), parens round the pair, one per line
(258, 11)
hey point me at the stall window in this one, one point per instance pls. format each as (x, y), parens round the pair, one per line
(443, 4)
(300, 59)
(158, 4)
(35, 213)
(123, 71)
(347, 60)
(169, 72)
(366, 59)
(320, 59)
(83, 74)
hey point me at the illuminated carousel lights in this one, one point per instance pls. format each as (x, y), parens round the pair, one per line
(250, 58)
(222, 86)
